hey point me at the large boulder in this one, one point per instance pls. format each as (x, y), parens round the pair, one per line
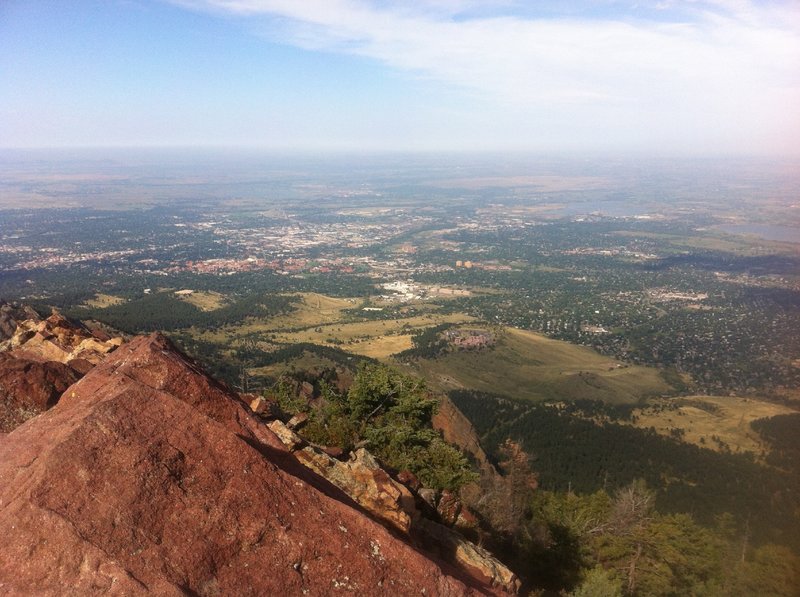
(39, 359)
(360, 477)
(29, 387)
(457, 429)
(150, 478)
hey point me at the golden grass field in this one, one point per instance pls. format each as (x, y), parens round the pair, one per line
(522, 364)
(101, 301)
(205, 300)
(320, 319)
(377, 339)
(727, 417)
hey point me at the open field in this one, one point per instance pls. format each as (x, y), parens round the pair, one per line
(528, 365)
(101, 301)
(701, 417)
(381, 347)
(205, 301)
(313, 309)
(718, 241)
(321, 319)
(377, 339)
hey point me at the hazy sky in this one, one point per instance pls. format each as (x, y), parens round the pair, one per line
(693, 76)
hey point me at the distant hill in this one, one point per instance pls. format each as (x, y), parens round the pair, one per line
(527, 365)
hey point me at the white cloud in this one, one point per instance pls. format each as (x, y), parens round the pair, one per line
(722, 72)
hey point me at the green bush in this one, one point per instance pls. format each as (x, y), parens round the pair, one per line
(390, 413)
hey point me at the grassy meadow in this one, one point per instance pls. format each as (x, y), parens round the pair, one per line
(702, 418)
(528, 365)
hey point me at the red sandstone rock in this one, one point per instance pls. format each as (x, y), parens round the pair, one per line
(297, 421)
(466, 521)
(333, 451)
(391, 502)
(409, 479)
(40, 359)
(150, 478)
(28, 388)
(360, 477)
(457, 429)
(449, 507)
(81, 366)
(306, 390)
(258, 405)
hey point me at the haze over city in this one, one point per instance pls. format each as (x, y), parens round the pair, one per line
(697, 77)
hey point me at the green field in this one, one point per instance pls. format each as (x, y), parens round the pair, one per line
(325, 320)
(528, 365)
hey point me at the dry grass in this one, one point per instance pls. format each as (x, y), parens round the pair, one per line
(381, 347)
(357, 336)
(312, 309)
(320, 319)
(205, 301)
(701, 417)
(102, 301)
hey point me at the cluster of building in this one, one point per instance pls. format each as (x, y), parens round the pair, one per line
(296, 236)
(288, 265)
(48, 257)
(612, 252)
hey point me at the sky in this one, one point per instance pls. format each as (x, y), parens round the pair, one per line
(692, 77)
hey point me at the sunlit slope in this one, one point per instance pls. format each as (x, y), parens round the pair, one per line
(320, 319)
(328, 321)
(101, 301)
(716, 422)
(528, 365)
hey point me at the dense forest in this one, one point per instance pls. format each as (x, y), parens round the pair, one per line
(783, 434)
(577, 454)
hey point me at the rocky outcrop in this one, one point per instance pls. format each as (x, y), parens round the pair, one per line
(28, 388)
(360, 477)
(480, 563)
(58, 339)
(391, 502)
(448, 508)
(457, 430)
(148, 477)
(40, 359)
(11, 314)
